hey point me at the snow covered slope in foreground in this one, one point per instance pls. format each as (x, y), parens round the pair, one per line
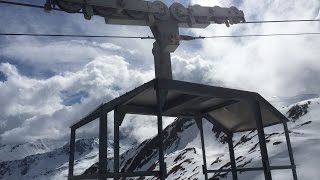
(184, 158)
(183, 151)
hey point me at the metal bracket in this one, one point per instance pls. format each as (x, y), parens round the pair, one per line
(119, 116)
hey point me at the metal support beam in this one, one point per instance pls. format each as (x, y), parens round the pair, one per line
(141, 110)
(203, 90)
(110, 105)
(271, 108)
(249, 169)
(232, 157)
(216, 123)
(167, 38)
(92, 176)
(286, 132)
(219, 106)
(141, 173)
(103, 146)
(162, 62)
(160, 100)
(118, 118)
(183, 101)
(204, 166)
(262, 140)
(71, 152)
(89, 117)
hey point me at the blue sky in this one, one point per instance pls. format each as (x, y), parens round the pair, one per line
(47, 84)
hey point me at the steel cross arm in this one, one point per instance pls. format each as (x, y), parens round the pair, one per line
(163, 21)
(136, 5)
(139, 12)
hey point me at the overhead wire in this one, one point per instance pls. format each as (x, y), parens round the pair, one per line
(73, 35)
(182, 37)
(26, 5)
(258, 35)
(246, 22)
(281, 21)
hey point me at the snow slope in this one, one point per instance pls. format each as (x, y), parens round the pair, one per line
(183, 151)
(53, 164)
(11, 152)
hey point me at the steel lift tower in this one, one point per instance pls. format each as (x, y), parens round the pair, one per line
(164, 22)
(229, 110)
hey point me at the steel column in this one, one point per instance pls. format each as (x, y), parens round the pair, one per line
(71, 152)
(103, 145)
(162, 165)
(167, 38)
(162, 62)
(204, 166)
(116, 147)
(262, 140)
(118, 118)
(232, 157)
(286, 132)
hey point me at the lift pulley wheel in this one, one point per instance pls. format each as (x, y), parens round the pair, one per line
(179, 12)
(162, 10)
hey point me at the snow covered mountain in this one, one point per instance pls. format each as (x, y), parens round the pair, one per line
(184, 157)
(9, 152)
(52, 164)
(183, 151)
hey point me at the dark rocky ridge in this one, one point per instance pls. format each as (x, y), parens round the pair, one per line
(296, 111)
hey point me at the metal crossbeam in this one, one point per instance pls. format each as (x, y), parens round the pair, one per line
(184, 100)
(216, 124)
(250, 169)
(219, 106)
(139, 12)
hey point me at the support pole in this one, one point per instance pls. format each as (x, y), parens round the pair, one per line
(262, 140)
(162, 165)
(167, 38)
(118, 118)
(116, 147)
(71, 152)
(103, 146)
(286, 132)
(232, 157)
(162, 62)
(204, 166)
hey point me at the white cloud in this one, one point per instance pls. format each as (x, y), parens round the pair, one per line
(106, 68)
(104, 79)
(269, 65)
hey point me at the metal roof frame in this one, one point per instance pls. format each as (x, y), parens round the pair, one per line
(166, 97)
(191, 93)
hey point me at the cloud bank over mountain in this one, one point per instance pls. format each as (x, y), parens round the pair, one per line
(47, 84)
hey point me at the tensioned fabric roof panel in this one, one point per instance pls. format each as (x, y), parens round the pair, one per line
(228, 107)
